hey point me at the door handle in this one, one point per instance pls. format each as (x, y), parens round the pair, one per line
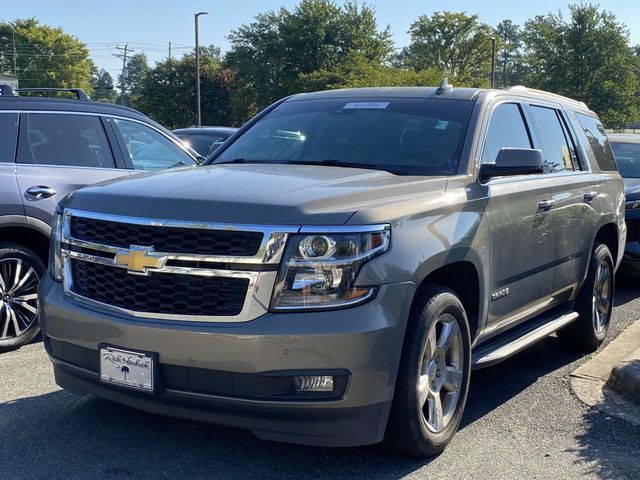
(589, 196)
(41, 191)
(546, 205)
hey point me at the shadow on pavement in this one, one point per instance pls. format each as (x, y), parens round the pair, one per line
(70, 437)
(627, 290)
(606, 444)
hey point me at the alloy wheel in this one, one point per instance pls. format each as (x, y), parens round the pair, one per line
(18, 297)
(602, 295)
(441, 373)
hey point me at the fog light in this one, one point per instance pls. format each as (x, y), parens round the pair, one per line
(314, 383)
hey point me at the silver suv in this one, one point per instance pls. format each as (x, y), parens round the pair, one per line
(48, 148)
(341, 266)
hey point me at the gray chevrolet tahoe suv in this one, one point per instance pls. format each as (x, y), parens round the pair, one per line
(347, 259)
(49, 147)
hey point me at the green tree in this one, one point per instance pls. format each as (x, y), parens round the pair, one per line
(360, 72)
(453, 42)
(509, 57)
(271, 54)
(102, 85)
(136, 68)
(588, 58)
(167, 91)
(44, 56)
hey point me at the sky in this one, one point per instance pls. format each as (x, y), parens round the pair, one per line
(148, 26)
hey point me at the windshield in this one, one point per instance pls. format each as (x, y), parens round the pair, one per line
(413, 136)
(627, 158)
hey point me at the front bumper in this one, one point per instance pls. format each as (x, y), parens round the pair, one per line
(363, 342)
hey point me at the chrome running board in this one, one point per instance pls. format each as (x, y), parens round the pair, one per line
(511, 342)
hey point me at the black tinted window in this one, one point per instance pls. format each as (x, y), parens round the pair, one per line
(627, 158)
(8, 136)
(404, 135)
(59, 139)
(598, 142)
(506, 130)
(203, 144)
(553, 142)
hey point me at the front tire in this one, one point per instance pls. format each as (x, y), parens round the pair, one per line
(20, 273)
(433, 378)
(594, 303)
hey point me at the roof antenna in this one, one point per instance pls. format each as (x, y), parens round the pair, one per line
(444, 86)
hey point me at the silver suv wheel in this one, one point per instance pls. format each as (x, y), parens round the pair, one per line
(440, 377)
(18, 297)
(602, 295)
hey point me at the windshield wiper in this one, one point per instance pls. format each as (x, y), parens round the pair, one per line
(332, 162)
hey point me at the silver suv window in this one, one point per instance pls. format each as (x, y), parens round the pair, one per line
(64, 139)
(598, 142)
(506, 129)
(553, 142)
(149, 149)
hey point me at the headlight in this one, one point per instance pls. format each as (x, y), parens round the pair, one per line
(319, 270)
(55, 256)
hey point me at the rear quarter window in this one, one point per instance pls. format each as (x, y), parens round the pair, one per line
(598, 142)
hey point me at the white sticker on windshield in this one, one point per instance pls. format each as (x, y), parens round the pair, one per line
(365, 105)
(441, 125)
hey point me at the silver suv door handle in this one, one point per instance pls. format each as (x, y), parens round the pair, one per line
(546, 205)
(589, 196)
(41, 191)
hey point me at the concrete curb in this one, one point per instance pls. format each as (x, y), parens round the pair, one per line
(596, 386)
(625, 377)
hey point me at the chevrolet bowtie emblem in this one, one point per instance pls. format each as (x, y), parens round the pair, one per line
(140, 259)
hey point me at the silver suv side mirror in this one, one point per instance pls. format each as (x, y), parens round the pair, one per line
(514, 161)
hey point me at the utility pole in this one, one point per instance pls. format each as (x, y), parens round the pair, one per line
(199, 115)
(125, 51)
(493, 62)
(169, 50)
(15, 58)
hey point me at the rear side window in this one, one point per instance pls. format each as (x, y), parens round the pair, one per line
(506, 130)
(148, 149)
(8, 136)
(554, 143)
(64, 140)
(598, 142)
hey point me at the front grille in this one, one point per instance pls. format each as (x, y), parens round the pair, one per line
(162, 293)
(167, 239)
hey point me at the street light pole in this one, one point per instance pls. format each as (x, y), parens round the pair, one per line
(198, 68)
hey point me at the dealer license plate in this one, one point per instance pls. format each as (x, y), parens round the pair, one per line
(127, 368)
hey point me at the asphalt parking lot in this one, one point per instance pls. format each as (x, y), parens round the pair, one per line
(522, 421)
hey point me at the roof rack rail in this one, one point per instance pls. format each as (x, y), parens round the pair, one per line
(78, 92)
(7, 90)
(522, 88)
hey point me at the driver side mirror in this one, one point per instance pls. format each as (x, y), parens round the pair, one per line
(514, 161)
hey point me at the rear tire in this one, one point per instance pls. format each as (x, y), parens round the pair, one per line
(20, 273)
(594, 303)
(433, 378)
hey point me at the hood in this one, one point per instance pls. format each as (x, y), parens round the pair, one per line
(632, 186)
(254, 194)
